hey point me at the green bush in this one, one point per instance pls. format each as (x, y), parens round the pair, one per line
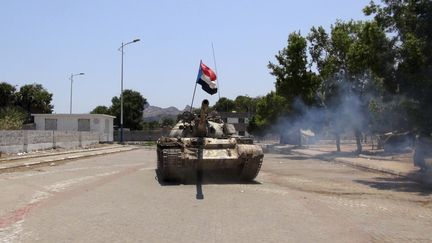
(11, 118)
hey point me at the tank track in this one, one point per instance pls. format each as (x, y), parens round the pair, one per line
(169, 161)
(251, 169)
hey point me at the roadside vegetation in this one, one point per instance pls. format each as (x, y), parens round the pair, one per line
(16, 106)
(133, 109)
(362, 76)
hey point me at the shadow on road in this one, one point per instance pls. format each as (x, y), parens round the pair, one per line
(219, 177)
(397, 184)
(324, 156)
(200, 178)
(296, 157)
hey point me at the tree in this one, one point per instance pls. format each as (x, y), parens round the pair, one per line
(353, 61)
(295, 86)
(239, 104)
(152, 125)
(7, 94)
(269, 109)
(224, 105)
(293, 80)
(409, 23)
(101, 109)
(133, 108)
(167, 122)
(245, 104)
(34, 98)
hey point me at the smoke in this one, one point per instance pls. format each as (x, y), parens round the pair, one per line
(342, 108)
(351, 106)
(341, 112)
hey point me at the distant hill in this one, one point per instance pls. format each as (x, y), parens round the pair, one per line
(155, 113)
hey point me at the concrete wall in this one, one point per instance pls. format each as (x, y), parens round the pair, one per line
(28, 140)
(141, 135)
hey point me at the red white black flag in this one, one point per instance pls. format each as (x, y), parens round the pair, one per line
(207, 79)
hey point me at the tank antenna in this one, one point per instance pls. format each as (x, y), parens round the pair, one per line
(217, 75)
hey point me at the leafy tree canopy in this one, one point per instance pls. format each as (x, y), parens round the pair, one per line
(133, 108)
(167, 122)
(7, 94)
(245, 104)
(293, 79)
(269, 109)
(34, 98)
(101, 109)
(224, 105)
(409, 23)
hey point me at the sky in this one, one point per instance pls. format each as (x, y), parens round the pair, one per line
(45, 41)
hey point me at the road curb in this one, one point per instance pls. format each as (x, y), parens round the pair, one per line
(422, 179)
(66, 158)
(388, 158)
(372, 168)
(31, 156)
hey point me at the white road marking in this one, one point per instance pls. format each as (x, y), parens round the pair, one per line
(10, 234)
(144, 169)
(67, 170)
(39, 196)
(62, 185)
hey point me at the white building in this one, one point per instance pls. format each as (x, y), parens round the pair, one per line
(240, 120)
(99, 123)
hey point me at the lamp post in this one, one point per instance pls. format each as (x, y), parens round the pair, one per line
(71, 79)
(121, 92)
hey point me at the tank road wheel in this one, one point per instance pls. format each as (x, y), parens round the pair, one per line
(251, 168)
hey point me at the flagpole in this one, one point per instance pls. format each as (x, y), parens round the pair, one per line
(193, 96)
(217, 75)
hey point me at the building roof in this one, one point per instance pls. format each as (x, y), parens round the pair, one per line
(85, 116)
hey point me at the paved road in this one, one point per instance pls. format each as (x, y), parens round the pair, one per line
(116, 198)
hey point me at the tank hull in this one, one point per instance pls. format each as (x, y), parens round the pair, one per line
(176, 156)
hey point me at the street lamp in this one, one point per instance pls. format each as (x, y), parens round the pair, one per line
(121, 93)
(71, 79)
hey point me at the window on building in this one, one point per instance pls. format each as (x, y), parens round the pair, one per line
(50, 124)
(241, 120)
(84, 125)
(106, 130)
(233, 120)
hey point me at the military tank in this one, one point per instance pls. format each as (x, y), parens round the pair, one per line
(205, 142)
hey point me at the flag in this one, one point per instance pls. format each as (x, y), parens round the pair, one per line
(207, 79)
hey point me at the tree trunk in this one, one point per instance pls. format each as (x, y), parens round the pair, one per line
(299, 138)
(337, 135)
(358, 136)
(281, 139)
